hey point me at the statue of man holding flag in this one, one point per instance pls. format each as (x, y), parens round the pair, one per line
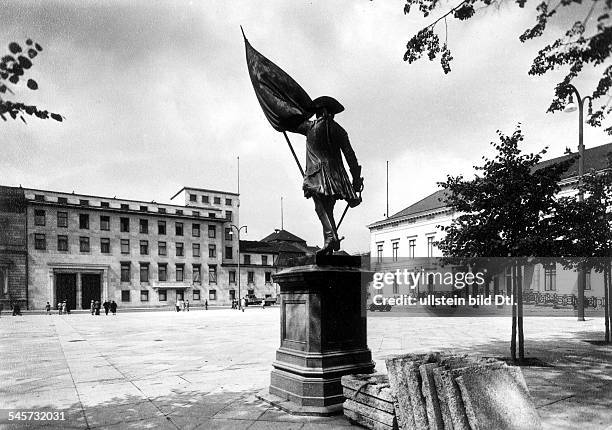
(289, 108)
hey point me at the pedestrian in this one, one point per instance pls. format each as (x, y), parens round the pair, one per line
(182, 304)
(263, 303)
(113, 307)
(97, 306)
(187, 305)
(243, 303)
(178, 305)
(59, 308)
(1, 308)
(48, 308)
(66, 308)
(205, 305)
(16, 309)
(92, 307)
(106, 306)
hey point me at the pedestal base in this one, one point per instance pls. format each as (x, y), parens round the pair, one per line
(323, 335)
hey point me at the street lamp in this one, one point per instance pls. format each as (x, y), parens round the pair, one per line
(571, 107)
(238, 231)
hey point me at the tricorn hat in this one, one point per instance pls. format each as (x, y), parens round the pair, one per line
(330, 103)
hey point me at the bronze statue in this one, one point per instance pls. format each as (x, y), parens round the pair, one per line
(325, 179)
(288, 108)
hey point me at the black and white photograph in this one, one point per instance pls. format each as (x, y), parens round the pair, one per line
(306, 215)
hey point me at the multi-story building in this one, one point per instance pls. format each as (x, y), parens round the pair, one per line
(412, 233)
(81, 248)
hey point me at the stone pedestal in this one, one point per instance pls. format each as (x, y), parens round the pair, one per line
(323, 334)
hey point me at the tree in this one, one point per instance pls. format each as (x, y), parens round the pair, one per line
(13, 68)
(587, 242)
(584, 43)
(504, 213)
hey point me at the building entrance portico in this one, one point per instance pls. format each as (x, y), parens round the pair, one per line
(78, 285)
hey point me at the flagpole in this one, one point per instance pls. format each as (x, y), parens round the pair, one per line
(293, 152)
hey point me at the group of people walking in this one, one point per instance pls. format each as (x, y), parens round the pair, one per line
(108, 306)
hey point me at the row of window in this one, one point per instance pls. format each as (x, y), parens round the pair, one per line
(179, 273)
(162, 295)
(206, 199)
(40, 219)
(411, 249)
(125, 206)
(40, 243)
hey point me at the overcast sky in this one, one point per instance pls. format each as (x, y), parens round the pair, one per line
(156, 96)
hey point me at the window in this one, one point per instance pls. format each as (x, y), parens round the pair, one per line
(228, 234)
(105, 245)
(84, 202)
(379, 252)
(228, 202)
(125, 295)
(247, 259)
(161, 248)
(196, 295)
(144, 272)
(62, 219)
(180, 273)
(196, 249)
(195, 230)
(125, 206)
(62, 200)
(162, 272)
(40, 242)
(124, 225)
(162, 296)
(126, 276)
(125, 246)
(193, 198)
(84, 244)
(232, 276)
(411, 247)
(228, 215)
(39, 197)
(195, 213)
(251, 292)
(62, 243)
(161, 210)
(84, 221)
(217, 200)
(180, 295)
(250, 277)
(212, 251)
(144, 247)
(268, 277)
(212, 231)
(144, 295)
(39, 217)
(144, 209)
(229, 251)
(180, 250)
(161, 227)
(430, 246)
(144, 226)
(395, 250)
(264, 260)
(178, 228)
(104, 223)
(179, 212)
(212, 274)
(212, 294)
(550, 279)
(212, 215)
(205, 199)
(587, 283)
(232, 294)
(104, 205)
(197, 274)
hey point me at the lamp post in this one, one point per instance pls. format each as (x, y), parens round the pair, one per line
(571, 107)
(238, 232)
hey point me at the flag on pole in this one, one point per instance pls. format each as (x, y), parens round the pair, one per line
(283, 101)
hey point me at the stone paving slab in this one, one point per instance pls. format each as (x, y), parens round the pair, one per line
(200, 370)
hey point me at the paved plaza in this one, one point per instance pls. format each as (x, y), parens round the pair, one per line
(202, 369)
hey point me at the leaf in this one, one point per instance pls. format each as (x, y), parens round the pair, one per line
(14, 79)
(57, 117)
(24, 62)
(32, 84)
(32, 53)
(38, 47)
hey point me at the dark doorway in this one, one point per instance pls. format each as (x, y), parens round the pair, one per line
(65, 288)
(90, 288)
